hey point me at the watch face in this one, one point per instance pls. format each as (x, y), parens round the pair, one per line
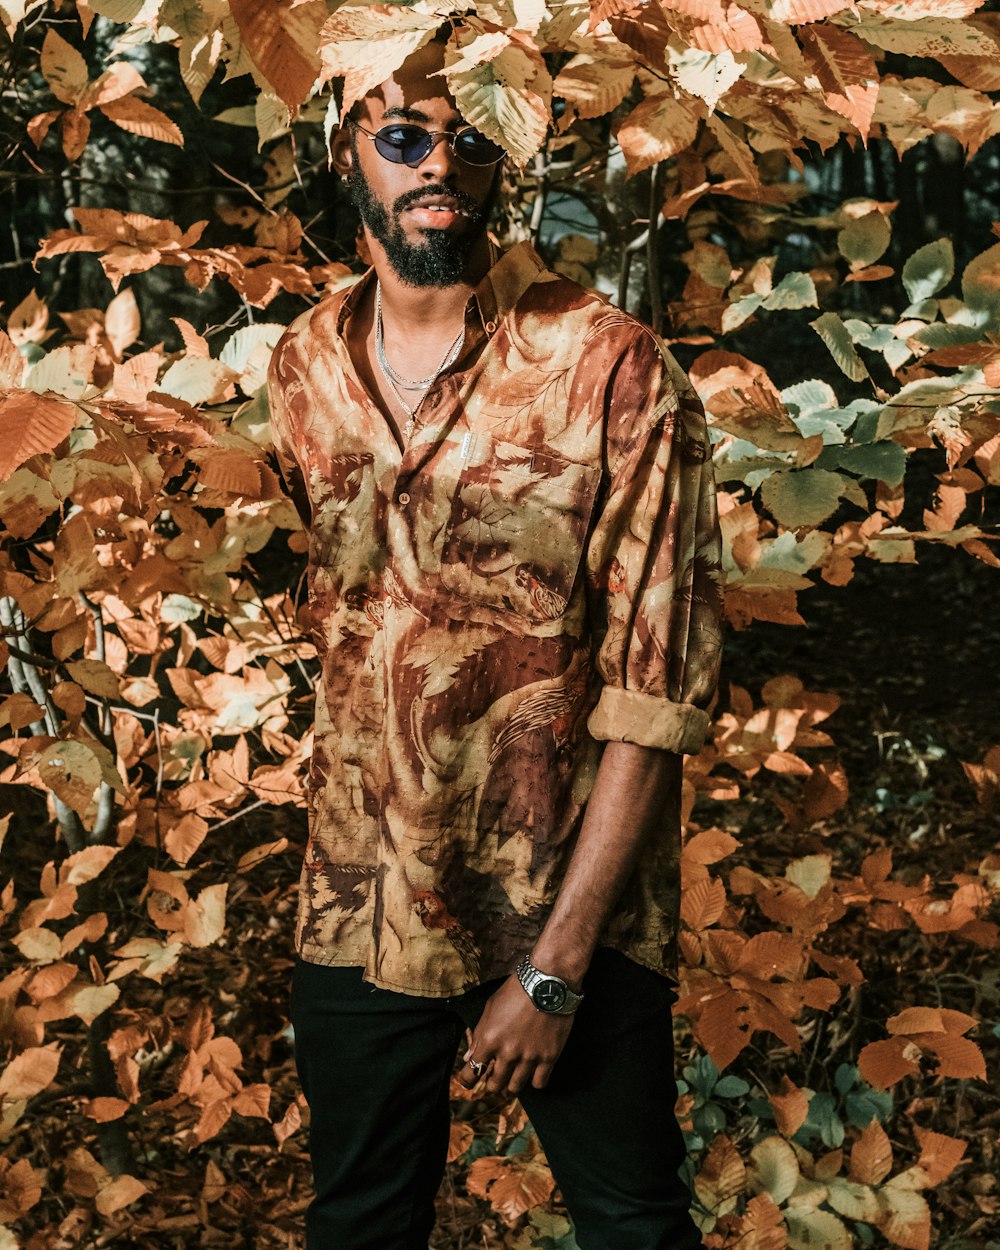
(549, 995)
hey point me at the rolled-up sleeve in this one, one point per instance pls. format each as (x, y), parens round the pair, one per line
(654, 560)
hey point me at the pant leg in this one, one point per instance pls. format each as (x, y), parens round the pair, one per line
(374, 1067)
(606, 1119)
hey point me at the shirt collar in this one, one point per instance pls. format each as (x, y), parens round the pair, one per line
(495, 296)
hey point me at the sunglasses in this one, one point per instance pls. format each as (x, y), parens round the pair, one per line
(409, 145)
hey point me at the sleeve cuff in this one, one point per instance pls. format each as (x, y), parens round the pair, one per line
(648, 721)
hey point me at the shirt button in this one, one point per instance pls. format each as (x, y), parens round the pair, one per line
(403, 499)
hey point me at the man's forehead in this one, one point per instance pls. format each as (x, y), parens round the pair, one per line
(415, 92)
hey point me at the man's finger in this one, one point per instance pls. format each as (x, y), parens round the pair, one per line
(497, 1080)
(542, 1073)
(521, 1077)
(473, 1070)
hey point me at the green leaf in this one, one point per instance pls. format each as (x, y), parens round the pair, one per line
(865, 239)
(178, 608)
(981, 283)
(795, 290)
(797, 497)
(731, 1087)
(885, 461)
(864, 1105)
(930, 268)
(866, 335)
(837, 337)
(809, 396)
(740, 311)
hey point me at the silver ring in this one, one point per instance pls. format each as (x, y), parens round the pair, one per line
(477, 1068)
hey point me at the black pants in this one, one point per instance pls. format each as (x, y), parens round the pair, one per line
(375, 1068)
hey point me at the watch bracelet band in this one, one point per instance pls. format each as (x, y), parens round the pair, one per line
(530, 977)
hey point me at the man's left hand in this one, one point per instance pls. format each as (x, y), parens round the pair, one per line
(518, 1043)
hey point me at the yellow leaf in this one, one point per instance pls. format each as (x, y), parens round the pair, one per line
(810, 1229)
(367, 45)
(38, 944)
(927, 36)
(95, 677)
(64, 68)
(88, 1001)
(810, 874)
(774, 1169)
(205, 916)
(507, 99)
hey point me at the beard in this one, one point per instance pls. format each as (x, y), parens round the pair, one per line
(441, 259)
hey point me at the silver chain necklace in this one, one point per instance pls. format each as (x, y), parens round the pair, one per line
(396, 381)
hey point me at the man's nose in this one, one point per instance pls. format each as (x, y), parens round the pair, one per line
(440, 162)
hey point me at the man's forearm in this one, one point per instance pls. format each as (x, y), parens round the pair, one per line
(637, 794)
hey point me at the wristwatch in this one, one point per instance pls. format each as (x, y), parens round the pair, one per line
(549, 993)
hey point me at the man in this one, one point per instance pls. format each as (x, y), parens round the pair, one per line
(514, 586)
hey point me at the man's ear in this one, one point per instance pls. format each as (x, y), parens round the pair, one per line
(341, 152)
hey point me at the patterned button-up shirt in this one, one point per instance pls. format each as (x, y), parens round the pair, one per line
(536, 573)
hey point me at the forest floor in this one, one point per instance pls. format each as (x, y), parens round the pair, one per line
(911, 652)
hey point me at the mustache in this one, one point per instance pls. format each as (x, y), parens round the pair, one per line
(465, 202)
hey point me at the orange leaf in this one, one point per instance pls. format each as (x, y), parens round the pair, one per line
(846, 72)
(283, 41)
(118, 1193)
(722, 1176)
(104, 1109)
(656, 129)
(702, 903)
(800, 11)
(957, 1057)
(31, 425)
(884, 1063)
(459, 1140)
(723, 1026)
(917, 1020)
(939, 1154)
(254, 1100)
(871, 1156)
(184, 836)
(790, 1106)
(140, 118)
(289, 1123)
(512, 1185)
(29, 1072)
(75, 133)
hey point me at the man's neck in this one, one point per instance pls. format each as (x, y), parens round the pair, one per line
(427, 311)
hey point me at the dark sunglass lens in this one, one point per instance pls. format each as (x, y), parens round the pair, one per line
(477, 149)
(403, 145)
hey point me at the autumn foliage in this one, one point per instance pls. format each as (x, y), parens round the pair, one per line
(156, 710)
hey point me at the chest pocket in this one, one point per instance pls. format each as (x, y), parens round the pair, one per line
(517, 527)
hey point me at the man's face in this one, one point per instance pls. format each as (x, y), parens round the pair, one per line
(430, 219)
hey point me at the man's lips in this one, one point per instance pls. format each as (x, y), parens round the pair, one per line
(437, 212)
